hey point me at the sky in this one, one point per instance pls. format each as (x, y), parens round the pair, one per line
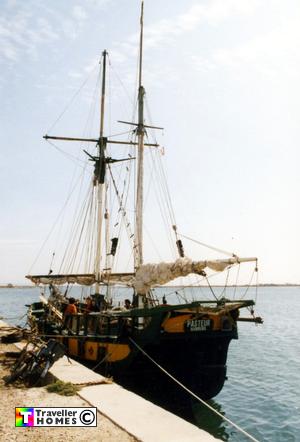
(222, 78)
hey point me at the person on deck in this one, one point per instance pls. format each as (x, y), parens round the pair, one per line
(127, 304)
(88, 305)
(71, 308)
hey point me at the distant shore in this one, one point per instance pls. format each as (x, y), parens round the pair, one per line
(20, 286)
(16, 286)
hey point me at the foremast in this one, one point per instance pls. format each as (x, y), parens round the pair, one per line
(138, 237)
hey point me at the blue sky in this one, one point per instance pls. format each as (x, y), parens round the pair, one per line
(222, 78)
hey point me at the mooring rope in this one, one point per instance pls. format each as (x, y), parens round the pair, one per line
(193, 394)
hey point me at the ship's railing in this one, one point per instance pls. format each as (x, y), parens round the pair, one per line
(96, 324)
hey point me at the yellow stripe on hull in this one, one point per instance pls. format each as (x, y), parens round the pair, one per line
(73, 346)
(115, 352)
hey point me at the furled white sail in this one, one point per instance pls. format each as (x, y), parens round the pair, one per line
(150, 275)
(88, 279)
(83, 279)
(147, 275)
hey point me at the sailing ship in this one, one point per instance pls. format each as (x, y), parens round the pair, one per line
(188, 339)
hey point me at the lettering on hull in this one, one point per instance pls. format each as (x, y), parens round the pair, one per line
(195, 325)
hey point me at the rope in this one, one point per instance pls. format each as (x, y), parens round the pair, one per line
(196, 286)
(236, 281)
(120, 133)
(226, 283)
(69, 256)
(72, 99)
(193, 394)
(207, 245)
(54, 225)
(120, 81)
(161, 201)
(160, 185)
(249, 285)
(256, 284)
(121, 206)
(12, 317)
(77, 161)
(210, 287)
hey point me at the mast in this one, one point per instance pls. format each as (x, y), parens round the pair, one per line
(107, 242)
(138, 237)
(100, 177)
(100, 162)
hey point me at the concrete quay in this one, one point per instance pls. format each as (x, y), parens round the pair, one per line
(139, 418)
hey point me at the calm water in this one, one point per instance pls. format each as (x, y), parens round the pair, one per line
(263, 387)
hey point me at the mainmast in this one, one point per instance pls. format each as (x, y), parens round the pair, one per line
(100, 177)
(138, 238)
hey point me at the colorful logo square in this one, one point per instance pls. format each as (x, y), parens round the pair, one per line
(24, 417)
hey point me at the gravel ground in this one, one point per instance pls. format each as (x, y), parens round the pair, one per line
(18, 396)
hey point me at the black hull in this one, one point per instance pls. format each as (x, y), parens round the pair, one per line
(192, 350)
(198, 362)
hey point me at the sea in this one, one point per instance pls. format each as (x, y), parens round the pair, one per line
(262, 393)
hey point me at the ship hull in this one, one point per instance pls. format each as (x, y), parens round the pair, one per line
(190, 345)
(198, 362)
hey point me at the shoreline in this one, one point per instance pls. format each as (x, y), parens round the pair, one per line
(16, 286)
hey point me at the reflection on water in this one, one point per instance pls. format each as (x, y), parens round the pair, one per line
(173, 398)
(209, 421)
(164, 392)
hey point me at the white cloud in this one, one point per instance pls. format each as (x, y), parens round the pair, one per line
(26, 27)
(74, 74)
(21, 32)
(79, 13)
(92, 65)
(9, 51)
(273, 53)
(11, 3)
(100, 4)
(169, 30)
(202, 64)
(46, 31)
(212, 13)
(69, 28)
